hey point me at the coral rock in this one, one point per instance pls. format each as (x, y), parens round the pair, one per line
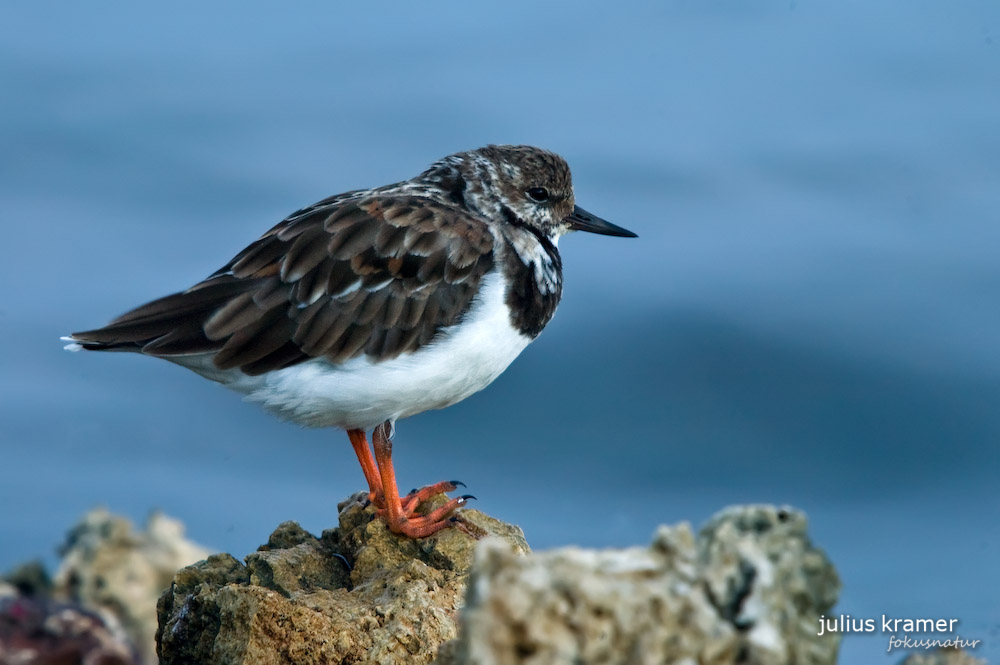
(357, 594)
(39, 631)
(749, 589)
(118, 572)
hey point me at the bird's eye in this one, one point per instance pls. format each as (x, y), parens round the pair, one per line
(538, 194)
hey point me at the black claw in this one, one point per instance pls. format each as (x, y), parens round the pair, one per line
(453, 520)
(457, 483)
(412, 491)
(466, 497)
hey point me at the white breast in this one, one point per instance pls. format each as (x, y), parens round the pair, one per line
(362, 393)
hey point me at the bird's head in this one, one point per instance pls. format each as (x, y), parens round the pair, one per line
(524, 185)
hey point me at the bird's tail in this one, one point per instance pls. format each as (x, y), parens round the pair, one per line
(172, 325)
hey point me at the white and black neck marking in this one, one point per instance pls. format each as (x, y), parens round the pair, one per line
(525, 248)
(533, 271)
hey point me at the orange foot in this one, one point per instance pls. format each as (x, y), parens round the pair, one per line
(400, 513)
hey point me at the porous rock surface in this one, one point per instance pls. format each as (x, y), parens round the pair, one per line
(118, 572)
(356, 594)
(749, 589)
(36, 630)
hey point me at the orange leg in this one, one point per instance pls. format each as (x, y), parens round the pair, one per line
(400, 519)
(360, 443)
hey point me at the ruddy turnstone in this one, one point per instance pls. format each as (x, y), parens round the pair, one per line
(378, 304)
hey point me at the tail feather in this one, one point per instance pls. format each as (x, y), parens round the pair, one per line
(172, 325)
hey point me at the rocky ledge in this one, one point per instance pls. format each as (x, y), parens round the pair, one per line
(100, 608)
(749, 588)
(356, 594)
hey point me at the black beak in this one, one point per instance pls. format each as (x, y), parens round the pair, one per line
(581, 220)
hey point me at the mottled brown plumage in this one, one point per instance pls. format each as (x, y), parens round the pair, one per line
(375, 275)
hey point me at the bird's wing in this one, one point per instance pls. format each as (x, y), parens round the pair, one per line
(377, 275)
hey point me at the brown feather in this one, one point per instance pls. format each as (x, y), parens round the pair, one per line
(372, 306)
(286, 355)
(422, 244)
(185, 340)
(350, 343)
(354, 239)
(378, 276)
(271, 294)
(322, 330)
(342, 278)
(306, 253)
(256, 340)
(390, 240)
(393, 308)
(313, 284)
(412, 312)
(238, 313)
(344, 217)
(432, 268)
(258, 256)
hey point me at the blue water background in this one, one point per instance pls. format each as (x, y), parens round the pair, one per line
(811, 315)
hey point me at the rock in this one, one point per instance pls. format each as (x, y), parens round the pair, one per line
(357, 594)
(942, 657)
(118, 572)
(749, 589)
(39, 631)
(30, 579)
(763, 576)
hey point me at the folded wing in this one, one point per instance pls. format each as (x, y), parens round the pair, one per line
(376, 276)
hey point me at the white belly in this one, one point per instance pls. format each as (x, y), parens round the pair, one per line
(361, 393)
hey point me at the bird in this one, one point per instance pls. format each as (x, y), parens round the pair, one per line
(378, 304)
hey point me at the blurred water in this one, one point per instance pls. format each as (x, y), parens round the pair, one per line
(809, 317)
